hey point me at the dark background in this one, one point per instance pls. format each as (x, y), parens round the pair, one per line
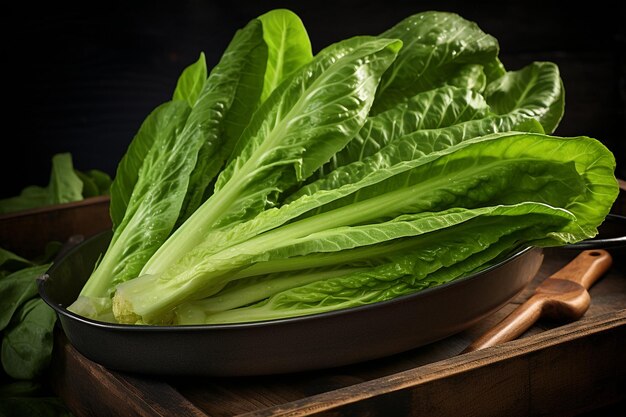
(80, 78)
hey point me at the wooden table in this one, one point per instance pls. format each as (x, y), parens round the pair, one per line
(553, 369)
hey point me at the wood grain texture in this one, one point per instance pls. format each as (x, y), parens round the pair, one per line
(524, 377)
(90, 389)
(27, 232)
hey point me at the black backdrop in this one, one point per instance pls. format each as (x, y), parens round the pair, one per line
(81, 79)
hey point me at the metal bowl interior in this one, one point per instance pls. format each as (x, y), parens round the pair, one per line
(287, 345)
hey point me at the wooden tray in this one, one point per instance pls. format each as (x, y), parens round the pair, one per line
(27, 232)
(553, 369)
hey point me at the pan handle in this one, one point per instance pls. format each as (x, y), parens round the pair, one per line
(600, 243)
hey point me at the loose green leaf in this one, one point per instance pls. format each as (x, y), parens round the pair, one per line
(12, 262)
(16, 289)
(101, 179)
(19, 389)
(27, 345)
(64, 187)
(90, 188)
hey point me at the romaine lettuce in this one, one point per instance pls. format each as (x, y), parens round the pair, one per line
(285, 184)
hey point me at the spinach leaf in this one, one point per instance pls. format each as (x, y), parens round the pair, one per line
(27, 343)
(95, 182)
(26, 340)
(10, 262)
(26, 388)
(16, 289)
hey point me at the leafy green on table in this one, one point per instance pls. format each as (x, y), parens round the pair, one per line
(66, 185)
(26, 322)
(26, 329)
(27, 343)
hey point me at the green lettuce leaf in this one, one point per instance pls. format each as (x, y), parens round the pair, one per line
(289, 47)
(176, 161)
(154, 203)
(572, 174)
(459, 234)
(536, 90)
(229, 99)
(440, 48)
(191, 82)
(284, 143)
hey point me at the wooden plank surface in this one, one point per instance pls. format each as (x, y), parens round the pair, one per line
(553, 369)
(27, 232)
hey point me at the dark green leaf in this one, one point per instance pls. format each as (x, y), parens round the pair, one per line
(20, 389)
(11, 262)
(27, 343)
(90, 189)
(16, 288)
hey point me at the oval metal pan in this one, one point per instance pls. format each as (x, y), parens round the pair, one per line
(288, 345)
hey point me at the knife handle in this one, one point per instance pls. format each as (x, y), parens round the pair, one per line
(563, 295)
(586, 268)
